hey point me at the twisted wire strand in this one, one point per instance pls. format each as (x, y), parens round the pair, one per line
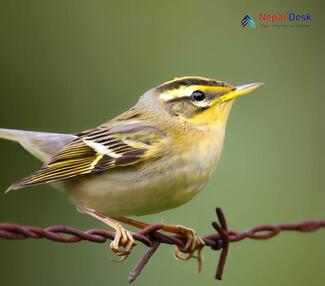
(152, 237)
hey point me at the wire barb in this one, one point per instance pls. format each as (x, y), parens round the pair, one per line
(152, 237)
(222, 229)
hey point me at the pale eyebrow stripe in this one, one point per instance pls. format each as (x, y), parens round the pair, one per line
(169, 96)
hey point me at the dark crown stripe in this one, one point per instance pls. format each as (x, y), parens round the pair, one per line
(191, 81)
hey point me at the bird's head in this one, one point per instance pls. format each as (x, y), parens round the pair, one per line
(199, 100)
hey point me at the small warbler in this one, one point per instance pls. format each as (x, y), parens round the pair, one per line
(157, 155)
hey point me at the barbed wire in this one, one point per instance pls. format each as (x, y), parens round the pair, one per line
(152, 237)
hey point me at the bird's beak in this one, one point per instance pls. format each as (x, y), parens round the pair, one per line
(239, 91)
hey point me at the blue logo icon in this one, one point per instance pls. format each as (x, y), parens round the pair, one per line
(248, 21)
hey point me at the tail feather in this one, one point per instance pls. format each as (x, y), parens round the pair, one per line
(40, 144)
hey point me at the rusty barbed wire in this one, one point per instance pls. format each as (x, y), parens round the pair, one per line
(152, 237)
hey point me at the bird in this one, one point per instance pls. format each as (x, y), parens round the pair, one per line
(156, 156)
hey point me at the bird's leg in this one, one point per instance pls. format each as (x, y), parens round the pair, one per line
(130, 221)
(123, 241)
(193, 246)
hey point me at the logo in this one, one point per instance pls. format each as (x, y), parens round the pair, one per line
(278, 20)
(248, 21)
(291, 17)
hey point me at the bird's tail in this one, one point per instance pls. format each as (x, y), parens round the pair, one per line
(40, 144)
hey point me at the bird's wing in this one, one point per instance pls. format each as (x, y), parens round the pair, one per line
(100, 149)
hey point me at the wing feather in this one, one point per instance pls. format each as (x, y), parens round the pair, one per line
(98, 150)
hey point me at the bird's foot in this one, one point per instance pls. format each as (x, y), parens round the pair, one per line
(123, 242)
(192, 248)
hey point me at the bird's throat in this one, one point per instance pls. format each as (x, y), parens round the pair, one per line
(214, 115)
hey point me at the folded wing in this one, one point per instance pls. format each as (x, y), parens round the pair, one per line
(98, 150)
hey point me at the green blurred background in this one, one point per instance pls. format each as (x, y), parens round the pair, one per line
(67, 66)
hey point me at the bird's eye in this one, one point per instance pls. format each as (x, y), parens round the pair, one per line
(198, 95)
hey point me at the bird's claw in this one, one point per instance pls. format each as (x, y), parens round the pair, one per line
(122, 243)
(192, 248)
